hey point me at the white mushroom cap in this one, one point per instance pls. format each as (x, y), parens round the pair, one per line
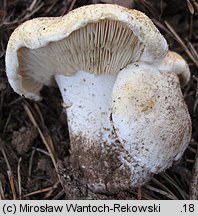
(96, 38)
(173, 62)
(150, 107)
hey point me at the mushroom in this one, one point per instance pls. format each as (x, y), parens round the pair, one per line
(120, 85)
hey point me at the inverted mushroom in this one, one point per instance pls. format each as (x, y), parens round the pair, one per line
(126, 114)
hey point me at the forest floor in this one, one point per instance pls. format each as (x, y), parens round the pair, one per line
(29, 169)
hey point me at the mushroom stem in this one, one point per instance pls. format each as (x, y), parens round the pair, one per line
(87, 100)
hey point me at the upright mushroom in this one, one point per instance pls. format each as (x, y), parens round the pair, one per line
(126, 114)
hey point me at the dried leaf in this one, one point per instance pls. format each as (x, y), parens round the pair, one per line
(190, 7)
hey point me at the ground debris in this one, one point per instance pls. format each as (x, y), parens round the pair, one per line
(23, 139)
(39, 179)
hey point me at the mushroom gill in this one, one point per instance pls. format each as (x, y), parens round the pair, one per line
(103, 47)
